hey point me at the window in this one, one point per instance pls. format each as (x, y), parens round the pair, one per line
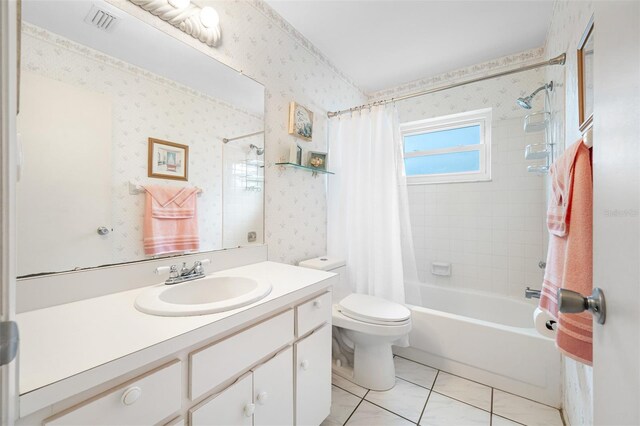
(452, 148)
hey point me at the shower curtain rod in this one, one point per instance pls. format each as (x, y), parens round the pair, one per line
(558, 60)
(225, 140)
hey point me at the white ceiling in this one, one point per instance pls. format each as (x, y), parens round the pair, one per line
(381, 43)
(144, 46)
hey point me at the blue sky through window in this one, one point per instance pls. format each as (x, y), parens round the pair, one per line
(455, 162)
(442, 139)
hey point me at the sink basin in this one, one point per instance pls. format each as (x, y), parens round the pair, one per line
(206, 295)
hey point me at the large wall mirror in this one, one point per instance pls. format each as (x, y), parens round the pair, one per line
(91, 97)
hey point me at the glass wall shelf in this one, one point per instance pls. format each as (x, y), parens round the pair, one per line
(307, 168)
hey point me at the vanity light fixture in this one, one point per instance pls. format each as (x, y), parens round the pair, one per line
(180, 4)
(201, 23)
(209, 17)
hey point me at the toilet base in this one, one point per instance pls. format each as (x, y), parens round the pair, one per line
(373, 367)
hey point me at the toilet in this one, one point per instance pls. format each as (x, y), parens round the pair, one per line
(364, 329)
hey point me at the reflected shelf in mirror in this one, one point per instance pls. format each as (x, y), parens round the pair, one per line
(307, 168)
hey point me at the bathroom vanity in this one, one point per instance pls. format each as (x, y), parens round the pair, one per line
(101, 361)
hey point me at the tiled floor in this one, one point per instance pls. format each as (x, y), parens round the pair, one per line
(426, 396)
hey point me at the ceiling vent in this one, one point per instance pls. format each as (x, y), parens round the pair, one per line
(101, 19)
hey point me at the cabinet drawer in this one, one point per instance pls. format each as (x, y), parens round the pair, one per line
(221, 361)
(232, 406)
(159, 395)
(313, 377)
(313, 314)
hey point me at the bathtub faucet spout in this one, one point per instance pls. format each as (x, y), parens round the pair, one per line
(530, 293)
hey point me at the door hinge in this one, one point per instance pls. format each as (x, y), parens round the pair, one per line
(9, 339)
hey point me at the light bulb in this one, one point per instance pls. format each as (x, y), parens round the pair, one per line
(209, 17)
(180, 4)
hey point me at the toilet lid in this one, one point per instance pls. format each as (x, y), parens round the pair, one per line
(373, 309)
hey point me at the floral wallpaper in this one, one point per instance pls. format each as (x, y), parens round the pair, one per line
(568, 23)
(144, 105)
(260, 43)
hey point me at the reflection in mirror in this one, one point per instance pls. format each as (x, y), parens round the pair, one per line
(91, 98)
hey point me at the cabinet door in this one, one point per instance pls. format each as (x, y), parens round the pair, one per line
(273, 390)
(232, 406)
(313, 377)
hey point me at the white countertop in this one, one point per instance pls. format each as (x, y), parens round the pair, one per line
(66, 340)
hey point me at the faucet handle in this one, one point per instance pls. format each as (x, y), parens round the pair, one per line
(164, 269)
(198, 265)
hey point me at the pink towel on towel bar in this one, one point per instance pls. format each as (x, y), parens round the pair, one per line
(570, 254)
(170, 220)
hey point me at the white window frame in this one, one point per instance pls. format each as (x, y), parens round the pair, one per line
(481, 117)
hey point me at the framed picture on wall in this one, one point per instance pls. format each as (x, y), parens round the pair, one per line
(585, 78)
(168, 160)
(317, 160)
(300, 121)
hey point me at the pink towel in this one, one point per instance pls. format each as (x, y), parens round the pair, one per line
(170, 220)
(570, 255)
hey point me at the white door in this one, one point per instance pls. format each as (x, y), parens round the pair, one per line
(313, 377)
(273, 390)
(58, 124)
(616, 178)
(8, 75)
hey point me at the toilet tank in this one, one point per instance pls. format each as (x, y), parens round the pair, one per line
(335, 265)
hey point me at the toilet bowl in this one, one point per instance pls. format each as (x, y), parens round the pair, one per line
(367, 327)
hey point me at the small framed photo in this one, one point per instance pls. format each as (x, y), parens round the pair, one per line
(300, 122)
(585, 78)
(317, 160)
(168, 160)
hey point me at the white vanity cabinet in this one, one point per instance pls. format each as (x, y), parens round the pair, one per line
(146, 400)
(273, 390)
(313, 377)
(232, 406)
(262, 397)
(273, 371)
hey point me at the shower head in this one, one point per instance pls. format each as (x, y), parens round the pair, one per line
(526, 101)
(259, 151)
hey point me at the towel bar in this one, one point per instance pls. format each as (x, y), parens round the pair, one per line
(135, 189)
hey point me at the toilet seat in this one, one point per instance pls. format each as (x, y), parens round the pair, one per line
(374, 310)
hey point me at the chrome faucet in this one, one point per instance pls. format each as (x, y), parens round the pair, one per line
(530, 293)
(184, 274)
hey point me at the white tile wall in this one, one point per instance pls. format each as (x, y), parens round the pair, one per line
(491, 232)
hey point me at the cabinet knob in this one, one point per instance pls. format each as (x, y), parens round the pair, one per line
(317, 304)
(305, 364)
(262, 398)
(131, 395)
(249, 409)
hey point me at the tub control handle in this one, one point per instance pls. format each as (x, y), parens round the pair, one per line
(572, 302)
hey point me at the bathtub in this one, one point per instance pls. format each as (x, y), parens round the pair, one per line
(484, 337)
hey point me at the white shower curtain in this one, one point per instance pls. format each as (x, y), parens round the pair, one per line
(368, 219)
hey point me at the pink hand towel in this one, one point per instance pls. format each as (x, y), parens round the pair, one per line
(570, 254)
(170, 220)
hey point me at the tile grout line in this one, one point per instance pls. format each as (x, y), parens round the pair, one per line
(491, 408)
(428, 396)
(474, 381)
(389, 411)
(354, 410)
(348, 391)
(445, 395)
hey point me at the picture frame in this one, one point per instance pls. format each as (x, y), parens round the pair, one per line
(317, 160)
(585, 77)
(168, 160)
(300, 121)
